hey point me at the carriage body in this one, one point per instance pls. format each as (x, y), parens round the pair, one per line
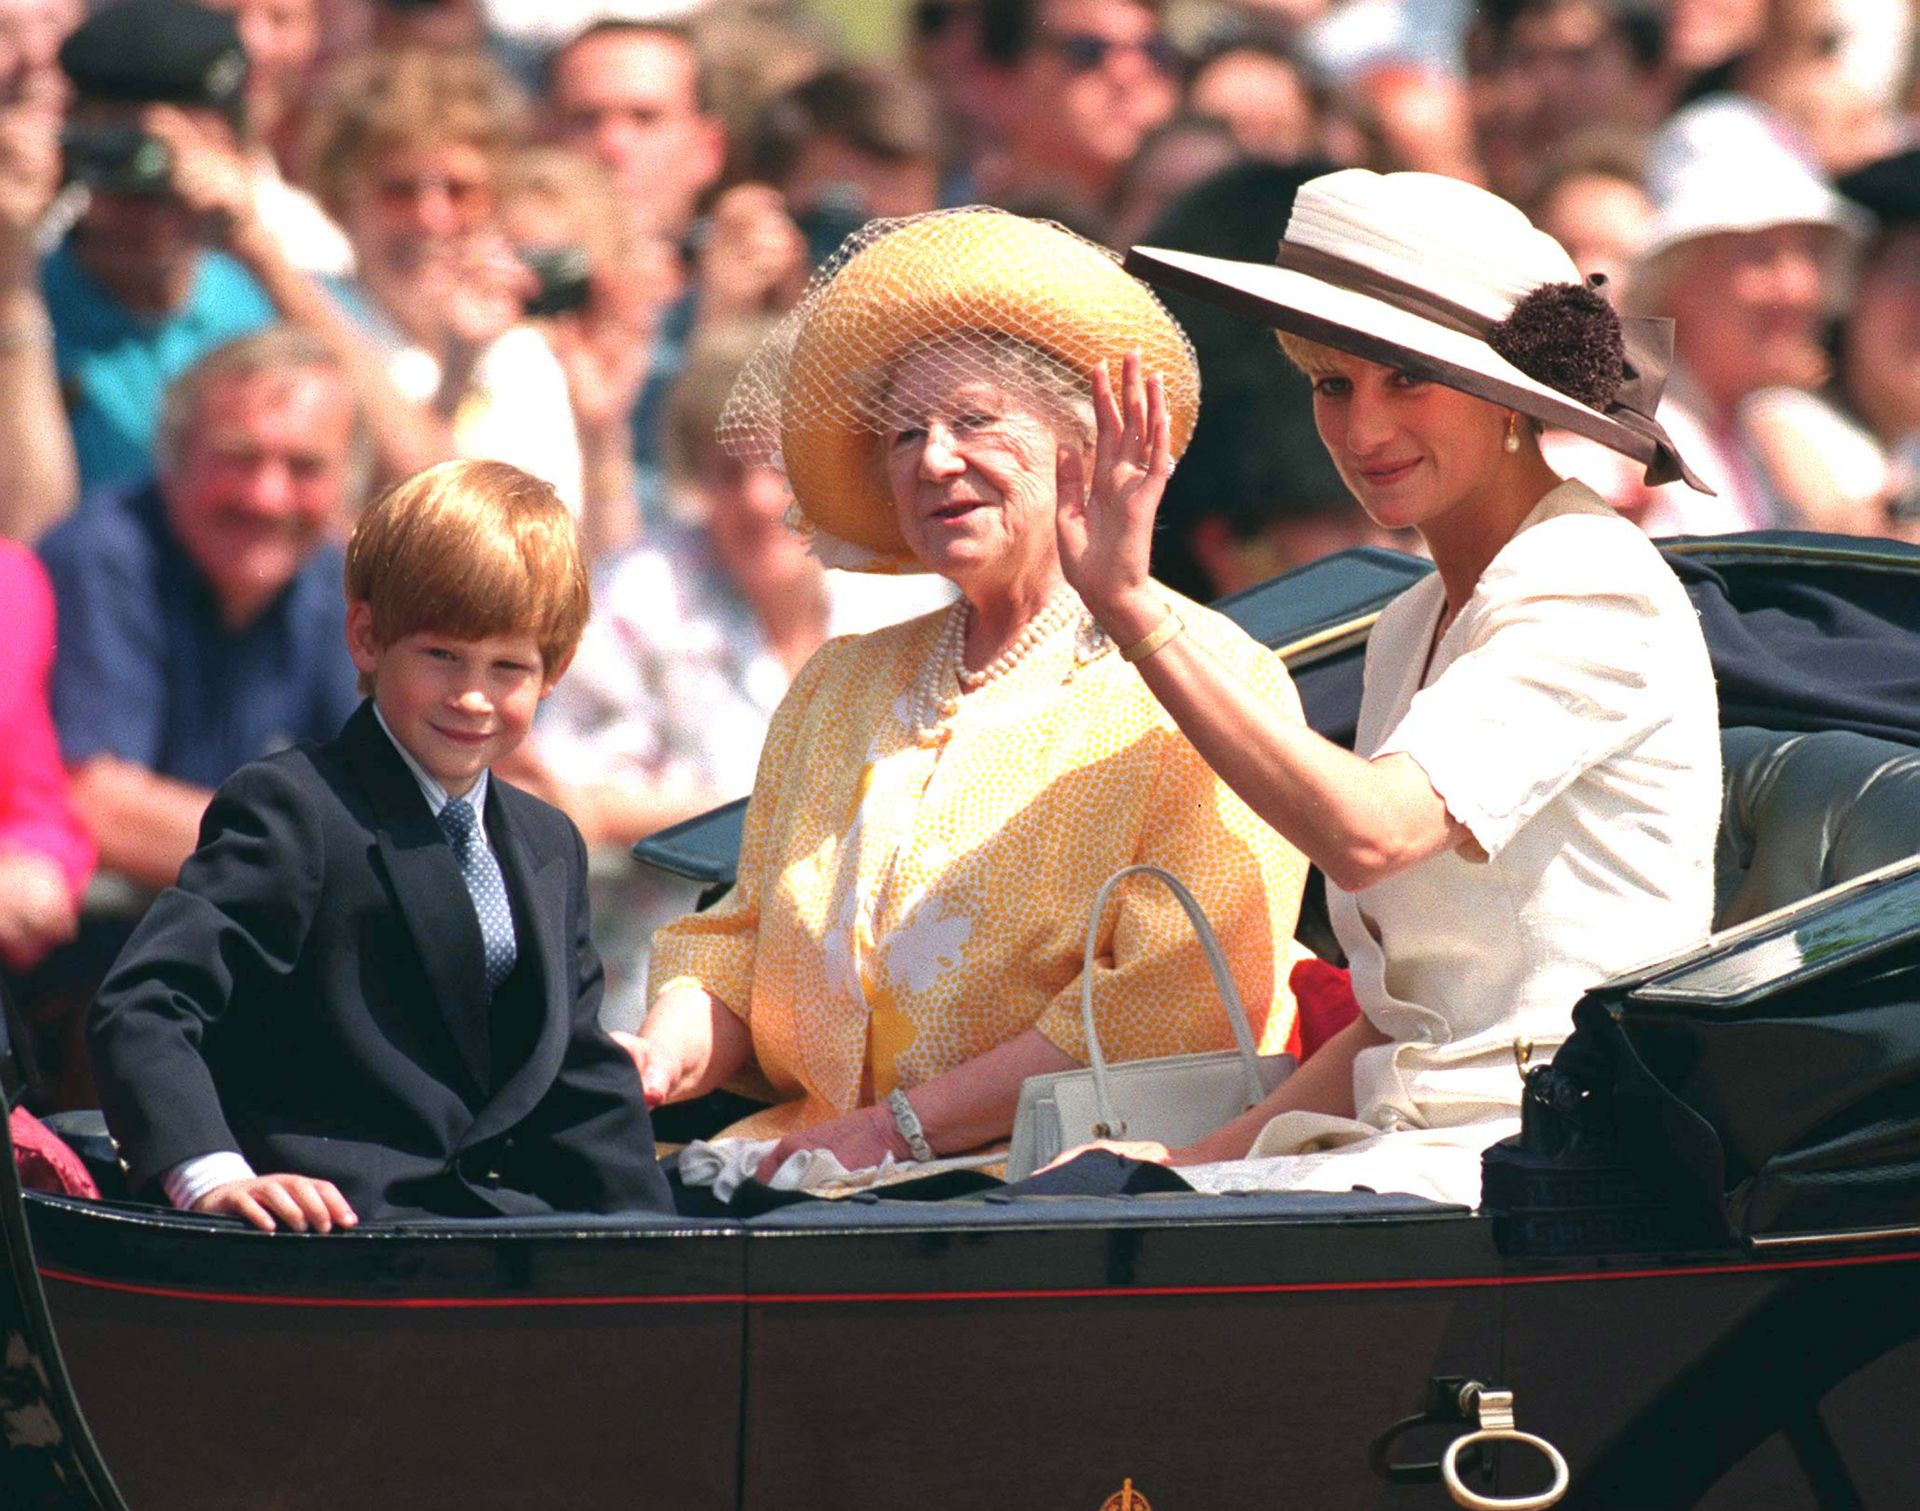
(1201, 1351)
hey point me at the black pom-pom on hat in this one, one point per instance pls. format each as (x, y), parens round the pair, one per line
(1566, 336)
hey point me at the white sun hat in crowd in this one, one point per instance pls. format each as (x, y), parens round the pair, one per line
(1728, 164)
(1443, 280)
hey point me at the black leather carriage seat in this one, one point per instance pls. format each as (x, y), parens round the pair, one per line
(1804, 812)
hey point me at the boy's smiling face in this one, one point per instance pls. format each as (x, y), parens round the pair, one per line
(457, 706)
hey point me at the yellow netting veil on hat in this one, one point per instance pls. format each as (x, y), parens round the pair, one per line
(815, 397)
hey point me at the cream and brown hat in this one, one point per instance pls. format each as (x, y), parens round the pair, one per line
(1442, 279)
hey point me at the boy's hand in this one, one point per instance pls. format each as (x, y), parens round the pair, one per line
(299, 1201)
(659, 1071)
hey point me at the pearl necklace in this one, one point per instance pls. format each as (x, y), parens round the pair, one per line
(933, 705)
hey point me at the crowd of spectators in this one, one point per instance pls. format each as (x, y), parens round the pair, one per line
(259, 258)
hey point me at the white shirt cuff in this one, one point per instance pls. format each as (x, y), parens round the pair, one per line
(193, 1178)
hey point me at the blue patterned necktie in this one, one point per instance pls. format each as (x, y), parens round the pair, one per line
(489, 892)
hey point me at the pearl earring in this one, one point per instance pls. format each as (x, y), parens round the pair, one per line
(1512, 442)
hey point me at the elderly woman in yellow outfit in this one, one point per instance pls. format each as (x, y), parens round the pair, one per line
(938, 802)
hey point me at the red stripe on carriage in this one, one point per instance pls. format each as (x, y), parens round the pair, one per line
(1067, 1293)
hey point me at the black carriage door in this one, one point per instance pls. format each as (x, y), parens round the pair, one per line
(1752, 1383)
(1192, 1368)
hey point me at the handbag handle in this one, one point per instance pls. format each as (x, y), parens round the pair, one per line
(1222, 981)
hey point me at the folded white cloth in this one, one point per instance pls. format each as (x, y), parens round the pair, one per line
(1311, 1151)
(724, 1163)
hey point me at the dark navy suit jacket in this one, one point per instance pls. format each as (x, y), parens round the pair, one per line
(312, 994)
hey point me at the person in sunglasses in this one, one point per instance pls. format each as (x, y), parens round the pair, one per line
(1088, 79)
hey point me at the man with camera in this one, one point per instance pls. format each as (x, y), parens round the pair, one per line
(172, 255)
(140, 288)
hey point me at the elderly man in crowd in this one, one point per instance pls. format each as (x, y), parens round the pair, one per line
(1746, 252)
(200, 617)
(200, 624)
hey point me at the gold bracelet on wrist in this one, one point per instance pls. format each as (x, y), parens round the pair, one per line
(1160, 635)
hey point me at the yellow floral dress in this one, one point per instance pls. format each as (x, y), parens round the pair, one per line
(917, 867)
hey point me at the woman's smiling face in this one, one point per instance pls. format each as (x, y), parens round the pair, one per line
(1408, 449)
(970, 466)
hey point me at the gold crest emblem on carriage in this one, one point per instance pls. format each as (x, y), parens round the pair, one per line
(1126, 1498)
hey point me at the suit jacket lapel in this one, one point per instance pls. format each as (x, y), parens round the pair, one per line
(427, 885)
(538, 889)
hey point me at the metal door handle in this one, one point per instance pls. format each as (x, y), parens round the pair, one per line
(1493, 1410)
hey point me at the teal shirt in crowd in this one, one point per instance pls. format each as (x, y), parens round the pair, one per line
(115, 365)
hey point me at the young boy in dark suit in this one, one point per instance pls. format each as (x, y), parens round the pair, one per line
(371, 993)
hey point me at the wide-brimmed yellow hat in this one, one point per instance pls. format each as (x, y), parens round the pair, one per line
(813, 397)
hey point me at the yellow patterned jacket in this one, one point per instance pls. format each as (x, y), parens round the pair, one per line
(909, 897)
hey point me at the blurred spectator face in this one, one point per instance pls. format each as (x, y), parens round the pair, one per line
(1748, 307)
(831, 168)
(282, 39)
(1602, 222)
(1174, 160)
(1573, 69)
(408, 212)
(143, 248)
(1883, 337)
(31, 32)
(1800, 71)
(630, 99)
(946, 56)
(1263, 99)
(850, 143)
(1561, 68)
(261, 482)
(440, 25)
(1423, 122)
(1099, 76)
(553, 199)
(745, 518)
(1703, 34)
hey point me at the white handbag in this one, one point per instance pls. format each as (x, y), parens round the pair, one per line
(1175, 1099)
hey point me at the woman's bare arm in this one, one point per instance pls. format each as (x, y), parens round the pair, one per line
(1323, 1084)
(1360, 821)
(973, 1104)
(968, 1106)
